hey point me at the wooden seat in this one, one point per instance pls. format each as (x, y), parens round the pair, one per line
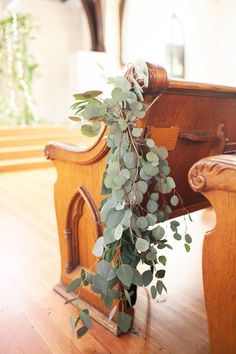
(193, 120)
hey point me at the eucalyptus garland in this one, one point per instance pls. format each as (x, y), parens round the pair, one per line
(139, 195)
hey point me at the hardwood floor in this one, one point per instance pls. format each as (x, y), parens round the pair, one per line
(34, 319)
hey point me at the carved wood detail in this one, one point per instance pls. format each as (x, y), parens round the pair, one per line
(73, 215)
(202, 175)
(74, 153)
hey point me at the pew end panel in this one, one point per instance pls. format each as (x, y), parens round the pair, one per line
(215, 178)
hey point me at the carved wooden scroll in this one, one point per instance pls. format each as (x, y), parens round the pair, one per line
(215, 178)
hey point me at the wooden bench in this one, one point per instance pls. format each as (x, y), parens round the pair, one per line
(192, 120)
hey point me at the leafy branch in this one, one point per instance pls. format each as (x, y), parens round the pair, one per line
(140, 195)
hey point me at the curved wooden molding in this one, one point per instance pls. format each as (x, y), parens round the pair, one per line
(159, 82)
(200, 89)
(158, 78)
(76, 154)
(216, 172)
(73, 215)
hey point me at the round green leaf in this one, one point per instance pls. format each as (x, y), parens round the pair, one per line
(174, 224)
(160, 273)
(98, 247)
(159, 286)
(147, 277)
(99, 284)
(151, 256)
(136, 106)
(119, 95)
(104, 269)
(85, 319)
(144, 175)
(153, 291)
(170, 182)
(162, 152)
(152, 219)
(162, 260)
(125, 173)
(152, 157)
(141, 245)
(187, 247)
(113, 168)
(130, 159)
(118, 231)
(123, 124)
(74, 285)
(158, 233)
(165, 170)
(142, 186)
(114, 218)
(151, 170)
(90, 130)
(152, 206)
(188, 238)
(128, 213)
(150, 143)
(174, 200)
(154, 196)
(125, 274)
(177, 236)
(142, 223)
(137, 132)
(137, 278)
(124, 321)
(82, 331)
(108, 234)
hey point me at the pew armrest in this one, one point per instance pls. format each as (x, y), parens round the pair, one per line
(214, 173)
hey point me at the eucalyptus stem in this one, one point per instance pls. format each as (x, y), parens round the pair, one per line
(133, 142)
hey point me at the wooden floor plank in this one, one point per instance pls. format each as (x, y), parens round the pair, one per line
(34, 319)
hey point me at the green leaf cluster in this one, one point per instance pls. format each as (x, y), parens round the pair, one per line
(139, 196)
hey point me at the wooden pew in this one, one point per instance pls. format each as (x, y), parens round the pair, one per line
(192, 120)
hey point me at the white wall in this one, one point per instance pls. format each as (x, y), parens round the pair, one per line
(209, 27)
(226, 41)
(63, 43)
(62, 31)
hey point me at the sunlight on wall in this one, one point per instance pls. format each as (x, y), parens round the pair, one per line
(209, 27)
(100, 67)
(62, 47)
(62, 31)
